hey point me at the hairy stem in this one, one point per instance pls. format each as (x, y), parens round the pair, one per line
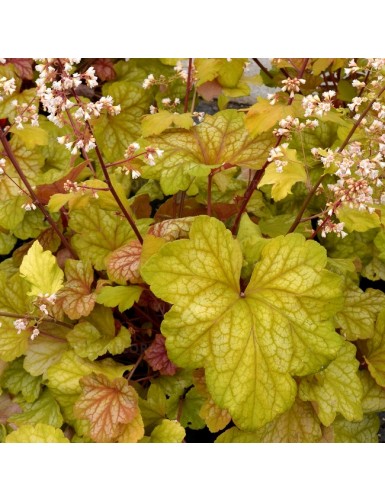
(31, 317)
(263, 68)
(188, 85)
(33, 195)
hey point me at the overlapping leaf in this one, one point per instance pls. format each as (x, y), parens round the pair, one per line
(44, 410)
(107, 405)
(298, 424)
(16, 379)
(76, 297)
(221, 138)
(38, 433)
(234, 334)
(374, 351)
(358, 316)
(336, 389)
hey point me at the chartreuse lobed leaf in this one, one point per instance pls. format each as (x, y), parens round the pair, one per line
(114, 133)
(356, 220)
(153, 407)
(108, 405)
(133, 431)
(7, 242)
(298, 424)
(12, 344)
(252, 242)
(17, 380)
(38, 433)
(234, 334)
(167, 432)
(122, 296)
(373, 399)
(335, 389)
(46, 350)
(358, 316)
(44, 410)
(282, 182)
(364, 432)
(191, 405)
(221, 138)
(98, 233)
(374, 351)
(40, 269)
(155, 124)
(95, 336)
(64, 376)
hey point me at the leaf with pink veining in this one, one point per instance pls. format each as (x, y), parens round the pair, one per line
(156, 356)
(123, 263)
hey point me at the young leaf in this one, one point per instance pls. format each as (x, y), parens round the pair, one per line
(335, 389)
(107, 405)
(38, 433)
(233, 334)
(41, 271)
(153, 408)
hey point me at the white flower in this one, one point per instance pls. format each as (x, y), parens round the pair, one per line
(20, 324)
(35, 333)
(135, 174)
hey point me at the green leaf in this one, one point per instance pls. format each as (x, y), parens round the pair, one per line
(168, 432)
(41, 271)
(155, 124)
(356, 220)
(44, 410)
(299, 424)
(96, 336)
(122, 296)
(373, 399)
(364, 432)
(191, 404)
(76, 297)
(374, 351)
(32, 136)
(358, 316)
(114, 133)
(263, 116)
(282, 182)
(251, 241)
(221, 138)
(290, 297)
(13, 298)
(64, 376)
(7, 243)
(98, 232)
(12, 212)
(16, 379)
(12, 344)
(39, 433)
(336, 389)
(42, 353)
(153, 408)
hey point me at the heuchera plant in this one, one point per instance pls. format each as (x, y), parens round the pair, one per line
(165, 270)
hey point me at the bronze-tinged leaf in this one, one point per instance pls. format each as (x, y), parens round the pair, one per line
(168, 209)
(210, 90)
(123, 263)
(156, 356)
(141, 206)
(23, 67)
(76, 297)
(104, 69)
(172, 229)
(7, 408)
(107, 405)
(45, 191)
